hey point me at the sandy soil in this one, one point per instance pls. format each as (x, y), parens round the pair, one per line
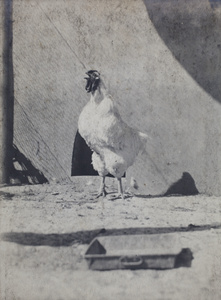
(46, 229)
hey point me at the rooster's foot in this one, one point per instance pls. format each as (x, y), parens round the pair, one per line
(116, 196)
(102, 193)
(122, 196)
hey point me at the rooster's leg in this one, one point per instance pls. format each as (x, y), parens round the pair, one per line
(102, 191)
(120, 188)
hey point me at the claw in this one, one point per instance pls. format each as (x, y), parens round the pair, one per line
(120, 196)
(102, 193)
(115, 197)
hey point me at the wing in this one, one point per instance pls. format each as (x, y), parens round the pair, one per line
(110, 127)
(102, 127)
(112, 132)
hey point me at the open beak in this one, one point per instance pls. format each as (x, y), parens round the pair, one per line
(89, 83)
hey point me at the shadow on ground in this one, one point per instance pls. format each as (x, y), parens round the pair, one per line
(185, 186)
(85, 237)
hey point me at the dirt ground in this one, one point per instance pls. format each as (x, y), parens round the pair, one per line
(46, 229)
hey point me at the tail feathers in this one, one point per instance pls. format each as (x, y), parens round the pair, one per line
(144, 137)
(133, 183)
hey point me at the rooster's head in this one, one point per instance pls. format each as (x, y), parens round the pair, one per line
(93, 80)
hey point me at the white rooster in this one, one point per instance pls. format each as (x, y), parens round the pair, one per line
(115, 145)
